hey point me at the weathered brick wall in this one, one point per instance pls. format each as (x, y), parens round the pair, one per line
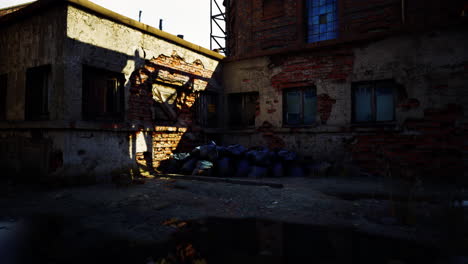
(305, 69)
(251, 30)
(252, 33)
(431, 146)
(428, 134)
(369, 16)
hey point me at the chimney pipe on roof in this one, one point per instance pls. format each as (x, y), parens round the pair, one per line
(160, 24)
(139, 16)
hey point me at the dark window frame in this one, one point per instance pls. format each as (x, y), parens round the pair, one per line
(203, 111)
(91, 113)
(302, 89)
(3, 95)
(36, 106)
(355, 85)
(244, 121)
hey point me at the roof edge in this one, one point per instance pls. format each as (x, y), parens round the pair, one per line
(32, 7)
(145, 28)
(16, 6)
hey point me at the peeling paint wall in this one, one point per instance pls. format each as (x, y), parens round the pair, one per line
(431, 69)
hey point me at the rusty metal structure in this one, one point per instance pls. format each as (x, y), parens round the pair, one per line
(218, 32)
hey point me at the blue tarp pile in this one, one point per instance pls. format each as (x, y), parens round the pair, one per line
(236, 161)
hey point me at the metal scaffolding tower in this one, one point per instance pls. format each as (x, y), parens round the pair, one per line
(218, 33)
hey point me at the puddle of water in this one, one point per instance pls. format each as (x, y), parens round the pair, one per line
(217, 240)
(10, 230)
(254, 241)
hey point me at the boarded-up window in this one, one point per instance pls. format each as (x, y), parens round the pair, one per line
(103, 94)
(300, 106)
(322, 20)
(272, 8)
(374, 101)
(37, 93)
(3, 95)
(242, 108)
(207, 109)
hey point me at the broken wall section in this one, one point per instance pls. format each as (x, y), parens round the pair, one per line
(165, 91)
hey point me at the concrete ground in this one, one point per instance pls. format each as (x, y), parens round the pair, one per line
(153, 211)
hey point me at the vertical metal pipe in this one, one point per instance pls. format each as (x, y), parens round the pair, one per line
(139, 16)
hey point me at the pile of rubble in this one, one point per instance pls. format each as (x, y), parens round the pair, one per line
(238, 161)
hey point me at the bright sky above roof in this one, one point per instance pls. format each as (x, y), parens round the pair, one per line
(190, 18)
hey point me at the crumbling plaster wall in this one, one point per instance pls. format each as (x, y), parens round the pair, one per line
(102, 43)
(431, 67)
(99, 42)
(67, 147)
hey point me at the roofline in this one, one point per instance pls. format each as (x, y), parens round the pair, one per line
(16, 6)
(125, 21)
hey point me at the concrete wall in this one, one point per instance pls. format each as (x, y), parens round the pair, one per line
(431, 67)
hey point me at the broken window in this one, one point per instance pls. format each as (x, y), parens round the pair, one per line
(374, 101)
(207, 109)
(272, 8)
(103, 94)
(37, 93)
(242, 108)
(3, 95)
(300, 106)
(322, 20)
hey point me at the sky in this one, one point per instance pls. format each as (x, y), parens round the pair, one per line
(190, 18)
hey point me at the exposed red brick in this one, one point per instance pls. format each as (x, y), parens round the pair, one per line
(324, 106)
(307, 69)
(435, 151)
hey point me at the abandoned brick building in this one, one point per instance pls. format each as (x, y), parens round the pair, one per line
(378, 83)
(84, 91)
